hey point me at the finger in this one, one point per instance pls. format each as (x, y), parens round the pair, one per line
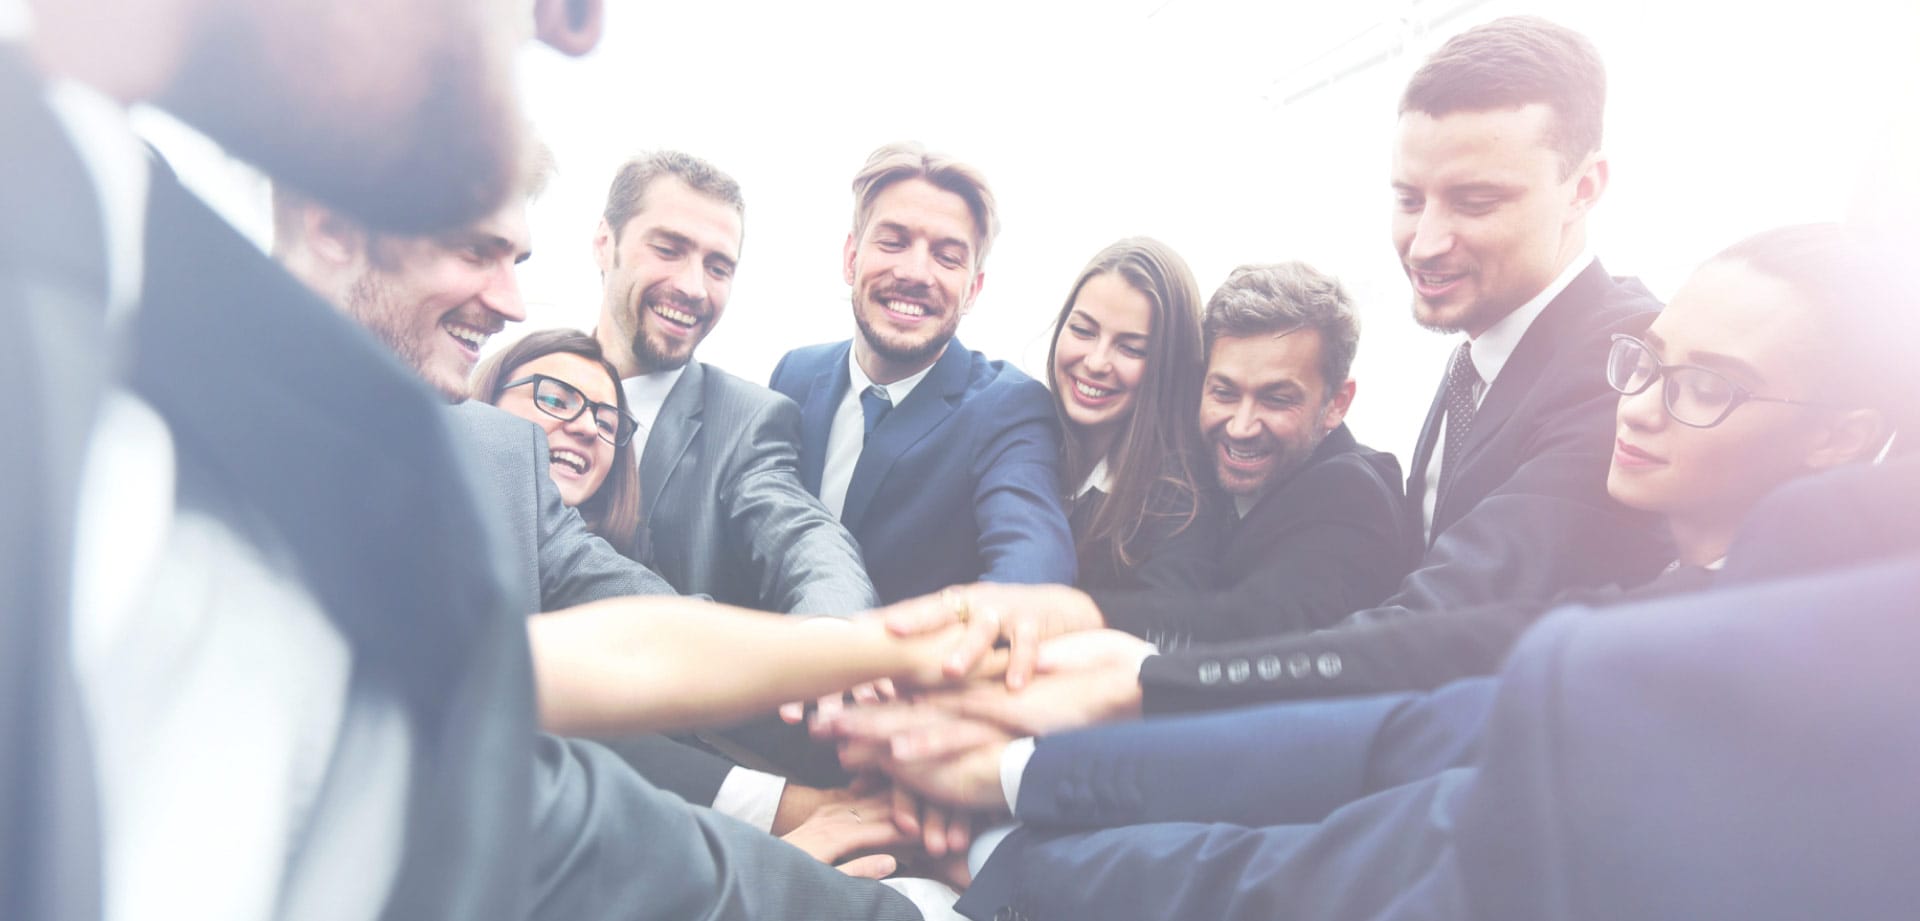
(906, 812)
(865, 694)
(981, 633)
(944, 740)
(959, 832)
(884, 687)
(1024, 648)
(934, 821)
(825, 714)
(872, 866)
(794, 713)
(915, 616)
(867, 834)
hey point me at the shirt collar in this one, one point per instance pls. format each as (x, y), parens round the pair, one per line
(1097, 478)
(648, 392)
(1492, 348)
(116, 161)
(896, 391)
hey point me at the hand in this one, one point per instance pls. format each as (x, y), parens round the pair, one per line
(963, 776)
(847, 827)
(1022, 615)
(1084, 678)
(799, 803)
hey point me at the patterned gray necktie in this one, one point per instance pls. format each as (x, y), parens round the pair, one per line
(874, 404)
(1462, 378)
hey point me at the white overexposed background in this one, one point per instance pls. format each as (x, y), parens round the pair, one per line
(1234, 131)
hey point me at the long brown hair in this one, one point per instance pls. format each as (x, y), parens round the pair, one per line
(613, 511)
(1152, 460)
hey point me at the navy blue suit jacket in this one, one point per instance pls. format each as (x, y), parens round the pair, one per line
(959, 483)
(1746, 753)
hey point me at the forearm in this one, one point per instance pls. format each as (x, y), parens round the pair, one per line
(642, 665)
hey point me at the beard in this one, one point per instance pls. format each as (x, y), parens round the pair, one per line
(375, 308)
(437, 147)
(901, 351)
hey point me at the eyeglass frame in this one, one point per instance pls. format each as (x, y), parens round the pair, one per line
(1741, 394)
(628, 423)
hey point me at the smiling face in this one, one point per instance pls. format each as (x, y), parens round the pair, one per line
(1756, 331)
(581, 459)
(667, 277)
(1100, 354)
(1484, 217)
(436, 300)
(1264, 407)
(914, 272)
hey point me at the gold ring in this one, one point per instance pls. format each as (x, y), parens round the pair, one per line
(956, 603)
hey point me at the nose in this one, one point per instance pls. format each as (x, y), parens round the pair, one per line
(583, 426)
(1242, 425)
(690, 282)
(502, 295)
(1645, 411)
(1432, 236)
(1097, 362)
(915, 266)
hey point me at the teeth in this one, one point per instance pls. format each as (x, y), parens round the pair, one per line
(1244, 455)
(572, 459)
(677, 316)
(472, 337)
(1089, 391)
(907, 307)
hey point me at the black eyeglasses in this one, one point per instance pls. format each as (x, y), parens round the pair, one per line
(565, 402)
(1694, 396)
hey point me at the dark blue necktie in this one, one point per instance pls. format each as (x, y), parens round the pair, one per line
(1462, 378)
(874, 404)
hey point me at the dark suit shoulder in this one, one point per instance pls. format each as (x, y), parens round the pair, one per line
(722, 385)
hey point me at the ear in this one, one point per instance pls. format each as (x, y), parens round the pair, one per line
(570, 26)
(1337, 407)
(1589, 184)
(846, 259)
(1854, 435)
(603, 248)
(973, 291)
(336, 242)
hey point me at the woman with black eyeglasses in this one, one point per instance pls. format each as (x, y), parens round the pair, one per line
(559, 380)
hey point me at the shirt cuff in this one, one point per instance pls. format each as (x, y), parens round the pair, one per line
(1013, 765)
(934, 898)
(750, 796)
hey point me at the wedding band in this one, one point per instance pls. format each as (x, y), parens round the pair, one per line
(856, 815)
(956, 603)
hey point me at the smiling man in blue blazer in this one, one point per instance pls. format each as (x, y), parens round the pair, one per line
(943, 464)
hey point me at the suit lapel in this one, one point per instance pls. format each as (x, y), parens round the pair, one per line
(673, 432)
(929, 404)
(1529, 362)
(816, 417)
(1423, 452)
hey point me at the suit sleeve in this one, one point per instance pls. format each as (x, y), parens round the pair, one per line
(1339, 546)
(1312, 758)
(690, 773)
(1550, 525)
(1016, 495)
(576, 565)
(805, 557)
(607, 845)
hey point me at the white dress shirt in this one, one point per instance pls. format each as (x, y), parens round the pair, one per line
(1490, 352)
(645, 395)
(847, 435)
(240, 774)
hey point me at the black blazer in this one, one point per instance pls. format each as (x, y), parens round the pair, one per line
(1332, 538)
(1176, 546)
(1526, 515)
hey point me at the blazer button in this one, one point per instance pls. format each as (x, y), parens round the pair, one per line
(1268, 667)
(1299, 665)
(1209, 673)
(1329, 665)
(1238, 670)
(1004, 913)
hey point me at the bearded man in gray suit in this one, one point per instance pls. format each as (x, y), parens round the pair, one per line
(719, 476)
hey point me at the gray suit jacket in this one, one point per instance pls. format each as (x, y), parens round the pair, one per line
(725, 508)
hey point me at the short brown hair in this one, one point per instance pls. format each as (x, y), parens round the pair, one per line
(627, 196)
(1271, 299)
(909, 160)
(537, 167)
(1515, 61)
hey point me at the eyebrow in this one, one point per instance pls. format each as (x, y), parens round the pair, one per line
(966, 246)
(1727, 364)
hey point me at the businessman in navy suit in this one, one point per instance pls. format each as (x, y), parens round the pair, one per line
(943, 464)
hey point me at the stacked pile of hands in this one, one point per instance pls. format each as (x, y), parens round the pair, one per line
(996, 663)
